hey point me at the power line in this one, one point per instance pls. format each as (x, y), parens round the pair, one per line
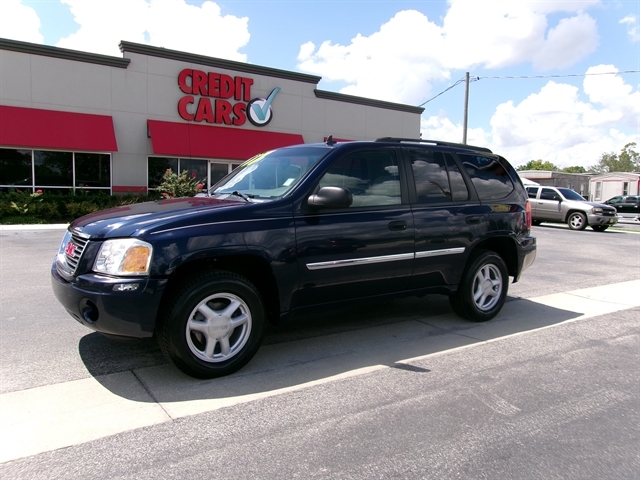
(472, 79)
(563, 76)
(517, 77)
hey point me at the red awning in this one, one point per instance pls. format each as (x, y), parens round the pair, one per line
(191, 140)
(35, 128)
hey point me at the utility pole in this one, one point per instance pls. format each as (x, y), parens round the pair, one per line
(466, 108)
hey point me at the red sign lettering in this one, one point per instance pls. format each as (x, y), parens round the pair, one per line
(209, 85)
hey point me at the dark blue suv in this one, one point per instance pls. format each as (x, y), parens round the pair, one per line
(293, 229)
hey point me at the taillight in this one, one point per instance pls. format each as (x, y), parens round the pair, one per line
(527, 214)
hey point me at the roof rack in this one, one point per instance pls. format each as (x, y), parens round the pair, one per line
(432, 142)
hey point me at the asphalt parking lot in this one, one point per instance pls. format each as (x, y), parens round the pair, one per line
(404, 389)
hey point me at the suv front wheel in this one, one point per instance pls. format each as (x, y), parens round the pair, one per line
(213, 325)
(483, 289)
(577, 221)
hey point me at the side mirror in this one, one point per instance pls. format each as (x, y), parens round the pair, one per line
(331, 197)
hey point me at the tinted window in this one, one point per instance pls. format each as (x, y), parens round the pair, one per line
(570, 194)
(532, 191)
(15, 167)
(459, 189)
(437, 177)
(430, 175)
(93, 170)
(371, 176)
(53, 168)
(489, 177)
(549, 194)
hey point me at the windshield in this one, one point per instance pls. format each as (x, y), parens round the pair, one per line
(271, 174)
(570, 194)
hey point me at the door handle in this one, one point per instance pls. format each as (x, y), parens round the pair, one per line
(473, 220)
(398, 225)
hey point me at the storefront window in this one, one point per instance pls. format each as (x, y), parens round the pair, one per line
(157, 166)
(15, 168)
(92, 170)
(195, 168)
(53, 168)
(55, 172)
(218, 172)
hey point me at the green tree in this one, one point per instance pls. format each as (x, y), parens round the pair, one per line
(627, 161)
(538, 165)
(574, 169)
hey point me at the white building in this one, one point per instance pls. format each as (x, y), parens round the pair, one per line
(75, 120)
(607, 185)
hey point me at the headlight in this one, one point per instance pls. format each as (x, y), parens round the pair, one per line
(125, 256)
(597, 211)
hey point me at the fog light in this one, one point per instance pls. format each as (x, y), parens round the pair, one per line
(125, 287)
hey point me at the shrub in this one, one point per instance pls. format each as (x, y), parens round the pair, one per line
(25, 207)
(183, 185)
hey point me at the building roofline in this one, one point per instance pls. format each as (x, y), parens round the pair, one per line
(216, 62)
(340, 97)
(63, 53)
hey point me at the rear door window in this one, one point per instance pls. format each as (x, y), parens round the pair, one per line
(437, 177)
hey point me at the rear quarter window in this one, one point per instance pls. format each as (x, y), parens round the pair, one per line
(488, 175)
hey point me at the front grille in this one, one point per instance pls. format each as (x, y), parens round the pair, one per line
(73, 250)
(609, 213)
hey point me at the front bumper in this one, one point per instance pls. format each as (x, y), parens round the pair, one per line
(601, 220)
(92, 301)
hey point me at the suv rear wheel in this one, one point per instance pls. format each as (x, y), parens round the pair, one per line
(483, 289)
(213, 325)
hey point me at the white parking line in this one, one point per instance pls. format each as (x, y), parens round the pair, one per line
(61, 415)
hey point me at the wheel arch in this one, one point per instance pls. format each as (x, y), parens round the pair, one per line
(254, 268)
(576, 210)
(503, 246)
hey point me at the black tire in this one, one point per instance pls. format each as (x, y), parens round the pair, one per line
(599, 228)
(483, 288)
(577, 221)
(213, 325)
(536, 223)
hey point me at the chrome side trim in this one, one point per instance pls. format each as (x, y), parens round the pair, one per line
(437, 253)
(384, 258)
(359, 261)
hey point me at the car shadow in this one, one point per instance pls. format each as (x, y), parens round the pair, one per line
(327, 344)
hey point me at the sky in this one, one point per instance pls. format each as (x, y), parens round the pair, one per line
(554, 80)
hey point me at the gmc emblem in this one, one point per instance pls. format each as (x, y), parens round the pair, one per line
(70, 249)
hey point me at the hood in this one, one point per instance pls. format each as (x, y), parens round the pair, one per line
(126, 220)
(601, 205)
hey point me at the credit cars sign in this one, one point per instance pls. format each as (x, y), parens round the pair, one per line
(219, 98)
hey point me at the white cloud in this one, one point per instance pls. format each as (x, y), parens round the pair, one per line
(409, 52)
(381, 66)
(19, 22)
(171, 24)
(572, 39)
(555, 125)
(633, 29)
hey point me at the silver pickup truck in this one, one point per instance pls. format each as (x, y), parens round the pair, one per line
(563, 205)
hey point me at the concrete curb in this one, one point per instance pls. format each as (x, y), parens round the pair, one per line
(44, 226)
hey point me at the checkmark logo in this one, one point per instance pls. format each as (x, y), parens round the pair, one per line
(259, 109)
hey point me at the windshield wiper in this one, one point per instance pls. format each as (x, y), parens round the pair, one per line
(245, 197)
